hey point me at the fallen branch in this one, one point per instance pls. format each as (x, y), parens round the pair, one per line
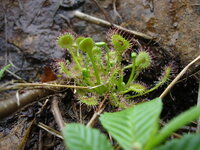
(41, 85)
(9, 106)
(105, 23)
(50, 130)
(56, 112)
(100, 109)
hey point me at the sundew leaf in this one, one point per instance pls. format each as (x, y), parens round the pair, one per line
(87, 44)
(133, 127)
(137, 87)
(80, 137)
(143, 60)
(65, 41)
(120, 44)
(187, 142)
(176, 123)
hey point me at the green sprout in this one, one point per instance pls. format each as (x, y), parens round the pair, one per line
(2, 70)
(99, 67)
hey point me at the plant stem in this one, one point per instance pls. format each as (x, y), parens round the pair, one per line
(132, 72)
(96, 73)
(108, 59)
(75, 60)
(128, 66)
(121, 79)
(136, 75)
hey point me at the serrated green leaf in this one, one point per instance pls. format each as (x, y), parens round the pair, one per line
(80, 137)
(175, 124)
(187, 142)
(133, 127)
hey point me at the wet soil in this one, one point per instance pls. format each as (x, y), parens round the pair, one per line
(29, 28)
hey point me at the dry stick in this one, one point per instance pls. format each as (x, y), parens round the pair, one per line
(198, 104)
(97, 113)
(23, 141)
(14, 75)
(9, 106)
(50, 85)
(56, 112)
(50, 130)
(115, 9)
(178, 77)
(102, 22)
(40, 85)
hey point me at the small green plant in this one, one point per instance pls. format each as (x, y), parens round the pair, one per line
(3, 70)
(100, 67)
(135, 128)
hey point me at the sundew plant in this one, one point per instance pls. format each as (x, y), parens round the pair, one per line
(99, 66)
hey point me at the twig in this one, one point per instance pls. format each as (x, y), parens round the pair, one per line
(115, 10)
(95, 115)
(56, 113)
(9, 106)
(198, 104)
(50, 85)
(14, 75)
(102, 22)
(80, 113)
(23, 141)
(98, 112)
(50, 130)
(41, 85)
(178, 77)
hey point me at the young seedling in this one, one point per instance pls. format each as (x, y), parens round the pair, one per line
(2, 70)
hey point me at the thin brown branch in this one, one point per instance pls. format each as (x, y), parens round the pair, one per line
(41, 85)
(56, 112)
(115, 10)
(50, 130)
(100, 109)
(9, 106)
(94, 117)
(178, 77)
(14, 75)
(105, 23)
